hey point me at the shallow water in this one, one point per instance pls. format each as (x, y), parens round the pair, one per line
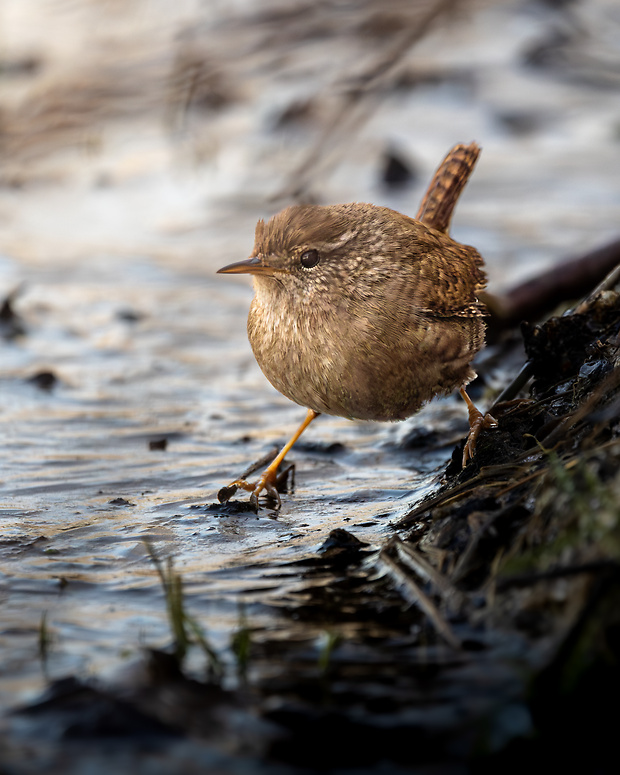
(114, 237)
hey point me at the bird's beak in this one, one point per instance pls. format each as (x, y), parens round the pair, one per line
(249, 266)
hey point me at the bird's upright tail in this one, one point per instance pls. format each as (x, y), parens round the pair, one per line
(446, 186)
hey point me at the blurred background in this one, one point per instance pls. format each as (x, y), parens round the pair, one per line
(140, 141)
(138, 127)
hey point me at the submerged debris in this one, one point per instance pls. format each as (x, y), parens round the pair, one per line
(11, 322)
(44, 380)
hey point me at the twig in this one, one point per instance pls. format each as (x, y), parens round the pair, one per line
(260, 463)
(531, 299)
(353, 111)
(559, 572)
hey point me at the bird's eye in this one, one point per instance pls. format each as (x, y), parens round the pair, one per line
(310, 258)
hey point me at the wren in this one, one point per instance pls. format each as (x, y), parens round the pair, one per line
(363, 312)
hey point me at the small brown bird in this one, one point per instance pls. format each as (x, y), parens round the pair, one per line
(362, 312)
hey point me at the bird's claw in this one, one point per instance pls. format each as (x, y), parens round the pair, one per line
(476, 425)
(270, 490)
(266, 482)
(225, 493)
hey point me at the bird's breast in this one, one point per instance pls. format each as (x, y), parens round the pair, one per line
(366, 364)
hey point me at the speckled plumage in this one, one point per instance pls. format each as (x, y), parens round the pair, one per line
(387, 319)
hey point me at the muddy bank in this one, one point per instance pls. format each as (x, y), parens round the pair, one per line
(479, 633)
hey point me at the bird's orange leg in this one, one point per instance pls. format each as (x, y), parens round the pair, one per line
(267, 481)
(477, 421)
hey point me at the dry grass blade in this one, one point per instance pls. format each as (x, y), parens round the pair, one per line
(489, 476)
(416, 561)
(413, 593)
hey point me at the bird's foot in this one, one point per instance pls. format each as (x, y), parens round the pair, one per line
(477, 422)
(267, 483)
(271, 480)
